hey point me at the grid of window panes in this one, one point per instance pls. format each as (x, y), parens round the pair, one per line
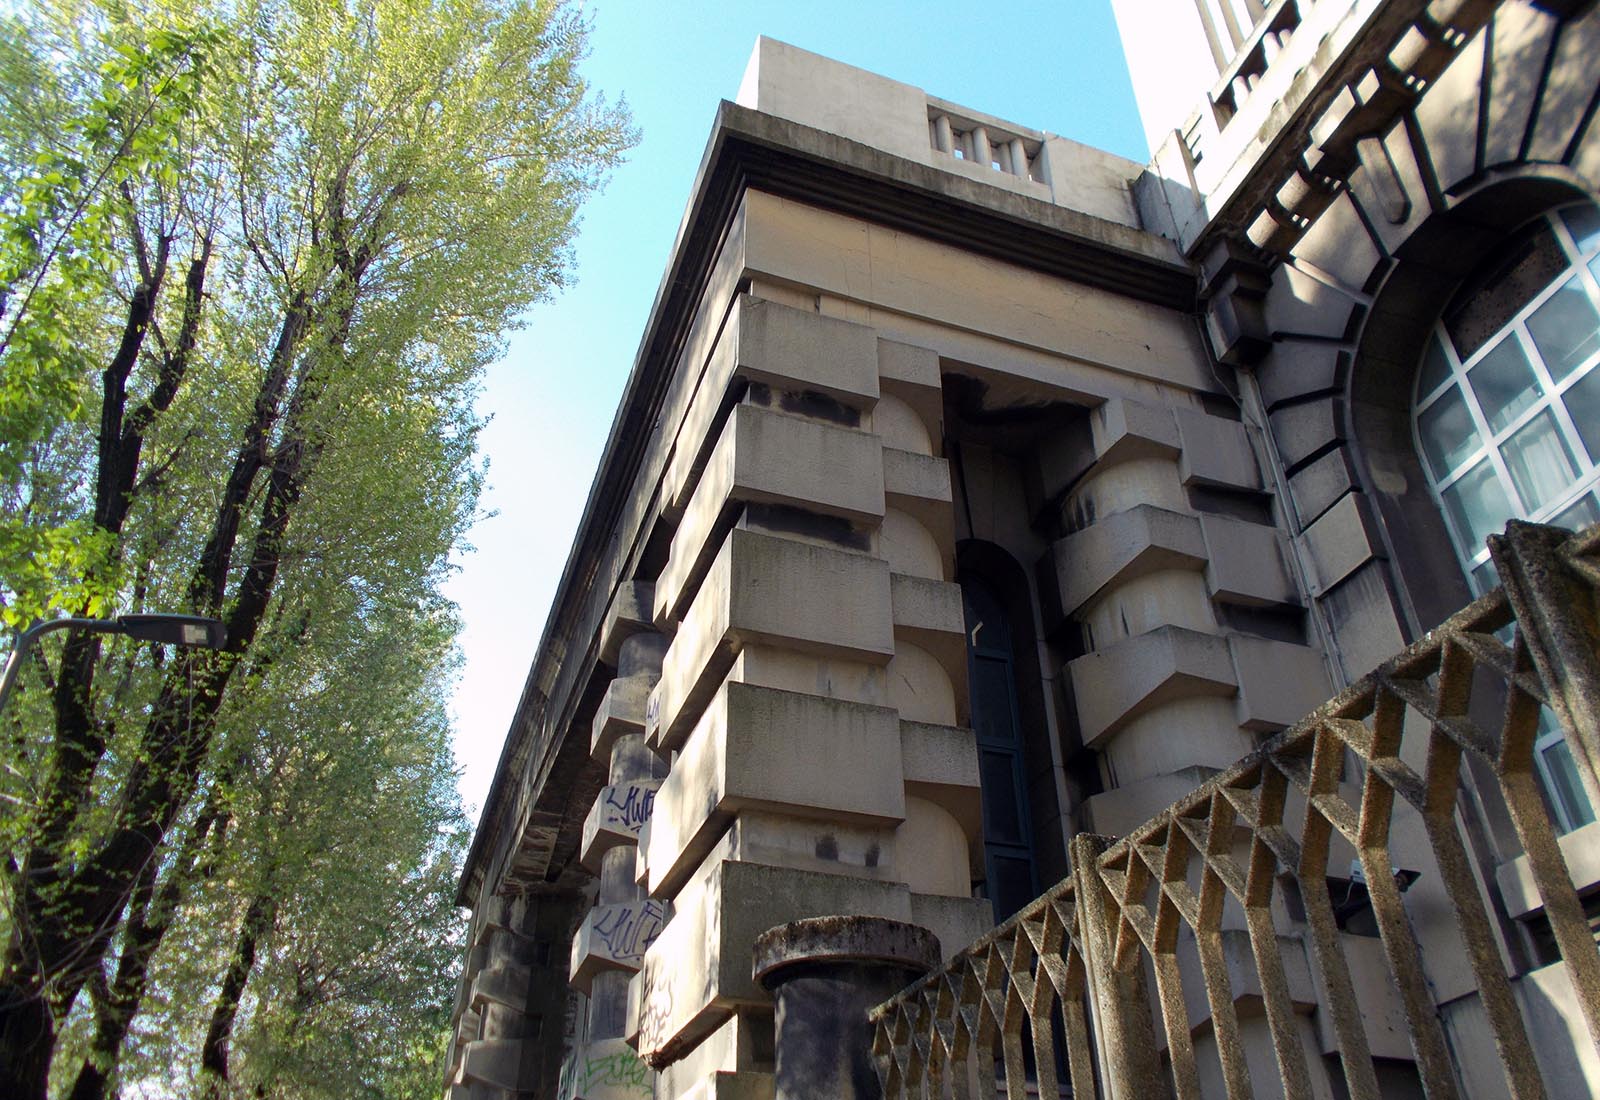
(1507, 415)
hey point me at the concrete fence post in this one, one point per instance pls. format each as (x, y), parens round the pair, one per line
(827, 973)
(1118, 1001)
(1558, 617)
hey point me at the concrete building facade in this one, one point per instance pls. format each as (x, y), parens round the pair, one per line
(974, 489)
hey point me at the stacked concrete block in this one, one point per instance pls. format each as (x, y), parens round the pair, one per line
(1171, 543)
(511, 993)
(611, 941)
(815, 635)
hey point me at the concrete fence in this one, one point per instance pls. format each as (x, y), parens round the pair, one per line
(1261, 936)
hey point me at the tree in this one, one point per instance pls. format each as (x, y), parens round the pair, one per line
(304, 228)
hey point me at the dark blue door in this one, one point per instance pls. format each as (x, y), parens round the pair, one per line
(1007, 834)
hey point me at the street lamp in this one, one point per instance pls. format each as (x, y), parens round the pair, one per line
(185, 630)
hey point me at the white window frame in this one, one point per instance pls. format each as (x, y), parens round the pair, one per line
(1474, 560)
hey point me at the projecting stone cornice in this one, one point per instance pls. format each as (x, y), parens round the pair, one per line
(794, 161)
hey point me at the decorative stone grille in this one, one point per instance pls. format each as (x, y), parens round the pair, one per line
(1131, 975)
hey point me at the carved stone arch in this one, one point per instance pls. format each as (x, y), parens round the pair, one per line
(1444, 251)
(1393, 206)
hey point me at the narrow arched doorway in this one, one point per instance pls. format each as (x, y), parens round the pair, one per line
(1010, 872)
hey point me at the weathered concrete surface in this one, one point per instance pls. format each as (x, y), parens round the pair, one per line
(827, 973)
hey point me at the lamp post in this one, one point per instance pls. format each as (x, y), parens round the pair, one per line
(184, 630)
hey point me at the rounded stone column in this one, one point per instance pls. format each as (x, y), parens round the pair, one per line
(827, 973)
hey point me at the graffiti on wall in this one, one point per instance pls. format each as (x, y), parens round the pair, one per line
(607, 1070)
(627, 931)
(627, 806)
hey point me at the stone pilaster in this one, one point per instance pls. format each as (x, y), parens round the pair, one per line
(614, 935)
(815, 677)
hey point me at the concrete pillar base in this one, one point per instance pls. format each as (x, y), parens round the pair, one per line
(826, 974)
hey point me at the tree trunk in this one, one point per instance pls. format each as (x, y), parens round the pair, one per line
(27, 1040)
(64, 921)
(214, 1051)
(150, 916)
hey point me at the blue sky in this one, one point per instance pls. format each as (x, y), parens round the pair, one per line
(1053, 66)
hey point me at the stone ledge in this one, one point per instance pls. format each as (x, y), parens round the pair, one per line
(621, 712)
(762, 589)
(759, 747)
(616, 817)
(615, 937)
(769, 457)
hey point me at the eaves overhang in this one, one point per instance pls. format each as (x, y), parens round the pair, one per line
(750, 150)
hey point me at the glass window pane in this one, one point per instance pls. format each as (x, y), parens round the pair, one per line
(1484, 578)
(1579, 514)
(1566, 329)
(1504, 383)
(1583, 405)
(1435, 368)
(1477, 504)
(1541, 465)
(1448, 434)
(1583, 222)
(991, 700)
(1564, 784)
(1002, 816)
(1012, 887)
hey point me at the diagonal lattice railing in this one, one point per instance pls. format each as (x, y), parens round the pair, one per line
(1205, 954)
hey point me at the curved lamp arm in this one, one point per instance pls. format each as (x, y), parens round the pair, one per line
(185, 630)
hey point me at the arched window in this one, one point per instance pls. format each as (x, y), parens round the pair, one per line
(1009, 871)
(1506, 413)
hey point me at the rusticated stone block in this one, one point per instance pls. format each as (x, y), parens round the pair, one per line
(1127, 429)
(632, 612)
(499, 1063)
(1340, 542)
(1293, 371)
(1138, 673)
(506, 984)
(622, 711)
(1120, 547)
(615, 937)
(1568, 92)
(1246, 563)
(758, 747)
(929, 614)
(1314, 487)
(1304, 430)
(770, 458)
(783, 347)
(698, 971)
(1215, 452)
(616, 818)
(1279, 682)
(763, 589)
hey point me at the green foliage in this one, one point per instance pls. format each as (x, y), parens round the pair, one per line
(57, 240)
(253, 258)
